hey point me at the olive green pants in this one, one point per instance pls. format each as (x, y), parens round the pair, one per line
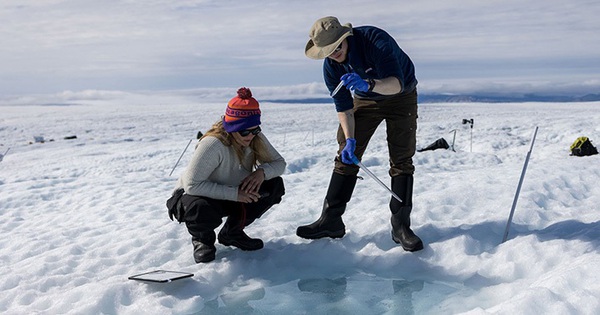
(400, 115)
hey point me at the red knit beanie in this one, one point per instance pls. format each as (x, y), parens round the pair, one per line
(242, 112)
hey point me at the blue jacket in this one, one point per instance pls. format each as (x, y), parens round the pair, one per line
(372, 54)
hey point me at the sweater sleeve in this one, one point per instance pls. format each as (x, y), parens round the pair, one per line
(276, 165)
(208, 156)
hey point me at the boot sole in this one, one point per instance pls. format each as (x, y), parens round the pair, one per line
(236, 244)
(417, 247)
(321, 234)
(205, 258)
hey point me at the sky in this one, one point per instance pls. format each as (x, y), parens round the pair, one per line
(78, 216)
(502, 46)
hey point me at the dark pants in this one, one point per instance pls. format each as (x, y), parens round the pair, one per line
(400, 115)
(203, 214)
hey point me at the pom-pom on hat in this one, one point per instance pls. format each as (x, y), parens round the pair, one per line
(242, 112)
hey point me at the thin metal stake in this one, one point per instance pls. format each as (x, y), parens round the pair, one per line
(471, 137)
(453, 139)
(514, 205)
(3, 155)
(181, 156)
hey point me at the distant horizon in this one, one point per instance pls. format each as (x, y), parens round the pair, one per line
(310, 93)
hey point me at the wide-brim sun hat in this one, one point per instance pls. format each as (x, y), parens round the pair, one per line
(326, 35)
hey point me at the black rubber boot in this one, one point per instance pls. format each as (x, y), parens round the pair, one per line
(402, 186)
(330, 223)
(202, 227)
(203, 252)
(232, 234)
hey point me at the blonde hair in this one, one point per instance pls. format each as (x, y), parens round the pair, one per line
(257, 145)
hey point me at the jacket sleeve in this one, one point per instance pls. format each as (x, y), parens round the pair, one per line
(389, 59)
(331, 74)
(208, 156)
(276, 165)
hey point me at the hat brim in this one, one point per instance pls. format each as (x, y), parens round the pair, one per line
(314, 52)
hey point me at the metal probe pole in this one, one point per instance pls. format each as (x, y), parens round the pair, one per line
(3, 155)
(180, 156)
(514, 205)
(453, 139)
(364, 168)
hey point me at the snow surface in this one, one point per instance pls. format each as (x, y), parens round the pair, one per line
(77, 217)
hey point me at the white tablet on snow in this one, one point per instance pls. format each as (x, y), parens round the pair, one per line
(161, 276)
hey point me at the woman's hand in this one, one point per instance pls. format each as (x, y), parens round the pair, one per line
(253, 181)
(247, 197)
(248, 190)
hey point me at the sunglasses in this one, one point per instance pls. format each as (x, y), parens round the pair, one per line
(338, 48)
(246, 132)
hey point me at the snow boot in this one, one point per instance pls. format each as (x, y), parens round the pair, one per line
(232, 234)
(402, 186)
(330, 223)
(203, 252)
(201, 227)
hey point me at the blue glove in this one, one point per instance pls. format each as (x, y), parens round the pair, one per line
(353, 81)
(348, 151)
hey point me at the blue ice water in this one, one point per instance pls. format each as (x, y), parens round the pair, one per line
(362, 294)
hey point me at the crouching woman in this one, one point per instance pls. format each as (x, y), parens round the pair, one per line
(234, 173)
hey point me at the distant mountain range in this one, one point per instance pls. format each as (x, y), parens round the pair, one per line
(483, 98)
(465, 98)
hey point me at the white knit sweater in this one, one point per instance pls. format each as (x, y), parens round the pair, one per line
(216, 172)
